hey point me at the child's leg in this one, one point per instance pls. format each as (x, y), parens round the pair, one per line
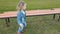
(21, 26)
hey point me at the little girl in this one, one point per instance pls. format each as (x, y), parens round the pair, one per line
(21, 16)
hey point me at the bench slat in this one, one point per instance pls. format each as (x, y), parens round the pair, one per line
(29, 13)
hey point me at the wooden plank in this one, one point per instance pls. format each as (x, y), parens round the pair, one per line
(29, 13)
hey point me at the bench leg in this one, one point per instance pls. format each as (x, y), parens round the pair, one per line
(54, 16)
(59, 18)
(7, 21)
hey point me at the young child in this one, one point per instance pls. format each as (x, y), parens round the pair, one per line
(21, 16)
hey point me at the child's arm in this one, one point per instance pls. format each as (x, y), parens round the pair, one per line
(19, 17)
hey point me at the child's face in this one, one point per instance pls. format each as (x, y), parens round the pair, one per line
(23, 7)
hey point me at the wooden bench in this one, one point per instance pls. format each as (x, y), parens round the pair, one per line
(13, 14)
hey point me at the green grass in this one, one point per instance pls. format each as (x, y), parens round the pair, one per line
(10, 5)
(35, 25)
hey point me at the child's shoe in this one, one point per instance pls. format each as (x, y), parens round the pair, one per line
(19, 33)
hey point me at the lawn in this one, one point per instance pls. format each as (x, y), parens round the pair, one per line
(35, 25)
(10, 5)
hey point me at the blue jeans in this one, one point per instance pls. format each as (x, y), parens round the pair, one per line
(21, 26)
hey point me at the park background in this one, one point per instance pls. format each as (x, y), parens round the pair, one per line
(36, 24)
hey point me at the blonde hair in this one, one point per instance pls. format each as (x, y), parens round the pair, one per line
(21, 4)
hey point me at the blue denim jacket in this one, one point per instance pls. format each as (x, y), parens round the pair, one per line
(21, 17)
